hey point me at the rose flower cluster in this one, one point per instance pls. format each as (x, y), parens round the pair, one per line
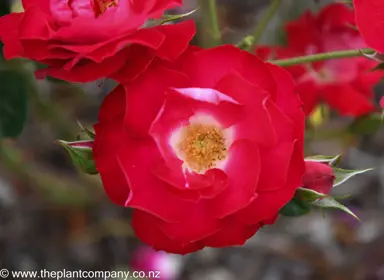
(205, 145)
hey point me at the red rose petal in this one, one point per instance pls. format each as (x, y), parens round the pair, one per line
(146, 228)
(232, 233)
(148, 193)
(347, 100)
(243, 169)
(9, 26)
(369, 19)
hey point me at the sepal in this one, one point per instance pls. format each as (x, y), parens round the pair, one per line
(81, 154)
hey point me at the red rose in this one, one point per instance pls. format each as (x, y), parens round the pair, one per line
(207, 153)
(369, 19)
(382, 102)
(318, 176)
(343, 84)
(81, 41)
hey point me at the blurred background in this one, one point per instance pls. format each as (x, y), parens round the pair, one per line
(53, 217)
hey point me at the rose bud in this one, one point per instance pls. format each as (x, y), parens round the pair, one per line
(318, 176)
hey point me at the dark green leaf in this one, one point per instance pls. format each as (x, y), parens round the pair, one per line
(295, 208)
(81, 155)
(369, 124)
(309, 195)
(330, 202)
(13, 102)
(378, 67)
(343, 175)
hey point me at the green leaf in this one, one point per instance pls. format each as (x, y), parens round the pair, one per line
(89, 133)
(81, 155)
(309, 195)
(295, 208)
(13, 102)
(368, 124)
(168, 18)
(331, 160)
(330, 202)
(378, 67)
(343, 175)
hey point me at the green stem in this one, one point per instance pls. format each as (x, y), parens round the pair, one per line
(321, 56)
(214, 21)
(249, 41)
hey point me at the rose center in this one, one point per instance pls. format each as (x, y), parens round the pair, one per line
(100, 6)
(202, 145)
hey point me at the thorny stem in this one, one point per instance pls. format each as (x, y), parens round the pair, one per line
(321, 56)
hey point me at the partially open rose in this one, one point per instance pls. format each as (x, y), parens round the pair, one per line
(84, 40)
(344, 84)
(206, 153)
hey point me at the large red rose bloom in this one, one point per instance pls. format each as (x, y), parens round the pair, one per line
(344, 84)
(206, 153)
(369, 19)
(84, 40)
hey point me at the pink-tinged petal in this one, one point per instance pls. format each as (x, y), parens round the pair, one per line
(382, 102)
(87, 30)
(177, 38)
(195, 226)
(267, 204)
(310, 95)
(243, 170)
(275, 166)
(44, 5)
(113, 105)
(108, 142)
(207, 67)
(232, 233)
(181, 104)
(148, 193)
(347, 100)
(9, 26)
(147, 229)
(370, 21)
(146, 96)
(254, 99)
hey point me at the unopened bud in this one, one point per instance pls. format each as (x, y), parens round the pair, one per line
(318, 177)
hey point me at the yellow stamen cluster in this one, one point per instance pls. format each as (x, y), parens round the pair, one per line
(202, 145)
(102, 5)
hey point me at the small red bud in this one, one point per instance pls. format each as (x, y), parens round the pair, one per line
(318, 177)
